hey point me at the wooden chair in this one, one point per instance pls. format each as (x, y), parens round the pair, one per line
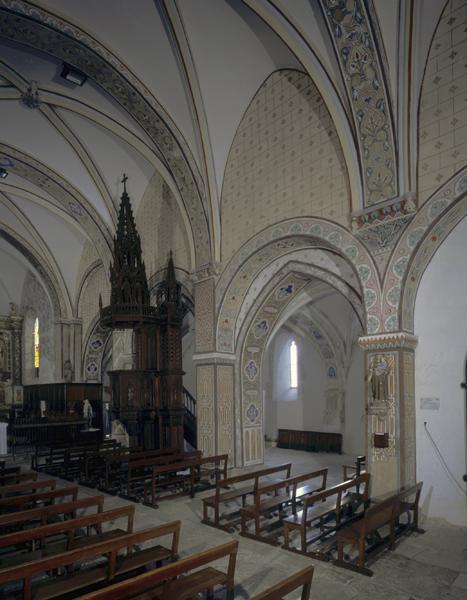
(277, 592)
(164, 583)
(91, 575)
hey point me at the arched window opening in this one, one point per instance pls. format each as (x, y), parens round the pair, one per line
(293, 365)
(36, 347)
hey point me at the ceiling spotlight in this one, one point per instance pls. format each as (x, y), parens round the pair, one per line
(3, 173)
(72, 75)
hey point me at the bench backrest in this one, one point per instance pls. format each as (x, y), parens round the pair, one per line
(28, 570)
(291, 482)
(69, 527)
(133, 465)
(12, 478)
(218, 459)
(387, 511)
(43, 513)
(137, 586)
(253, 476)
(28, 486)
(12, 501)
(338, 491)
(277, 592)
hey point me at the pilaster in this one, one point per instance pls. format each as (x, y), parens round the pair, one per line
(390, 408)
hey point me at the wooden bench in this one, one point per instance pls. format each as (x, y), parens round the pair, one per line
(217, 470)
(23, 546)
(55, 454)
(179, 474)
(319, 507)
(177, 581)
(106, 565)
(141, 471)
(278, 495)
(12, 478)
(115, 465)
(378, 515)
(277, 592)
(27, 487)
(34, 517)
(21, 502)
(226, 493)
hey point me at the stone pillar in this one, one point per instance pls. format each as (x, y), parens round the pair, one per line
(214, 374)
(390, 406)
(215, 403)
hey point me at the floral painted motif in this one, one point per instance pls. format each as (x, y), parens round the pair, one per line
(251, 370)
(252, 413)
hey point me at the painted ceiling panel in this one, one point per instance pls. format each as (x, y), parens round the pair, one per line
(113, 157)
(46, 69)
(30, 131)
(11, 220)
(63, 239)
(135, 32)
(232, 61)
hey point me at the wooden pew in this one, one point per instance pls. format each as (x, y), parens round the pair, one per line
(12, 478)
(56, 457)
(176, 581)
(217, 471)
(226, 493)
(385, 513)
(71, 529)
(27, 487)
(279, 495)
(114, 566)
(183, 475)
(331, 502)
(9, 470)
(21, 502)
(277, 592)
(139, 471)
(115, 466)
(41, 515)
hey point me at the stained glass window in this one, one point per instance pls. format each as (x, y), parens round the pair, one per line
(293, 365)
(36, 345)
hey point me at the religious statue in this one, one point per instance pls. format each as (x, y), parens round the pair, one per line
(68, 371)
(378, 379)
(119, 433)
(13, 310)
(88, 413)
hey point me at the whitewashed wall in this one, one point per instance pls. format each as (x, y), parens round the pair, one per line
(441, 327)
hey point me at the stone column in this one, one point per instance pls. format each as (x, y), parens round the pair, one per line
(390, 406)
(214, 374)
(68, 344)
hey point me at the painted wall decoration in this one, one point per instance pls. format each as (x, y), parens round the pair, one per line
(285, 160)
(352, 31)
(269, 246)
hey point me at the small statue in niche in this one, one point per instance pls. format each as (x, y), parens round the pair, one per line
(88, 413)
(378, 379)
(130, 397)
(68, 371)
(13, 310)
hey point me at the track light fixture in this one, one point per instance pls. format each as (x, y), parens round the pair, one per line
(72, 74)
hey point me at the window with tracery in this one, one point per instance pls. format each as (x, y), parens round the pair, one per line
(36, 346)
(293, 359)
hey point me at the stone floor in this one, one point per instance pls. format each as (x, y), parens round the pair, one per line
(432, 566)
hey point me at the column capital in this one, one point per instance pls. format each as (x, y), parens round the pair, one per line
(214, 357)
(206, 271)
(389, 341)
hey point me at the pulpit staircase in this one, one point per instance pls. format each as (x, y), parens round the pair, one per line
(189, 424)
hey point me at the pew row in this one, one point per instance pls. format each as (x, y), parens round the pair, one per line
(327, 510)
(23, 501)
(106, 560)
(226, 492)
(178, 580)
(386, 513)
